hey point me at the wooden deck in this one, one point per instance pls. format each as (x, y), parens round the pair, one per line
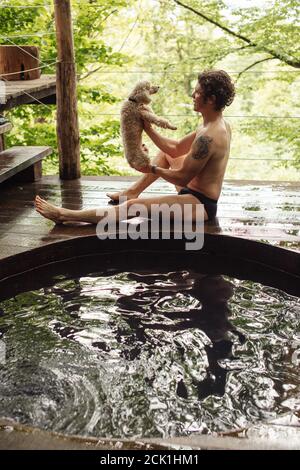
(16, 93)
(267, 212)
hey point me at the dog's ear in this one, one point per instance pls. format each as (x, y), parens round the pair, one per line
(141, 96)
(133, 94)
(141, 92)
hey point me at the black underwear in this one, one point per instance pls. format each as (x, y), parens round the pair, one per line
(210, 205)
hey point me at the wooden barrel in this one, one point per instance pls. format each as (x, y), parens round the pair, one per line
(18, 59)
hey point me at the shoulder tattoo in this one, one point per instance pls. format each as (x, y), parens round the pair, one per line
(201, 147)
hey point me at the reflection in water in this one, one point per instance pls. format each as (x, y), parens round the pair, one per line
(148, 354)
(209, 296)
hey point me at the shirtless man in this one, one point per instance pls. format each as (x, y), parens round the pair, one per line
(195, 165)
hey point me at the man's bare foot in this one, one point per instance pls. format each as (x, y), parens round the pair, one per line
(129, 193)
(48, 211)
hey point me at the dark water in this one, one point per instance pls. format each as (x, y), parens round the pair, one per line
(149, 354)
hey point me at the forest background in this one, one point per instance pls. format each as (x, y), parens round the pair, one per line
(119, 42)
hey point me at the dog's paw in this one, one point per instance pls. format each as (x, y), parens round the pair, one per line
(170, 126)
(165, 125)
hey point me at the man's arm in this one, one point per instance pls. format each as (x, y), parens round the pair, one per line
(201, 151)
(185, 144)
(174, 148)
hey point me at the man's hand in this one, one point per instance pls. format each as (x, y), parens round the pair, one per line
(147, 125)
(145, 169)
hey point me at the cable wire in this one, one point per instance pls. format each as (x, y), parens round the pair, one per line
(225, 116)
(26, 6)
(192, 72)
(28, 70)
(24, 50)
(32, 35)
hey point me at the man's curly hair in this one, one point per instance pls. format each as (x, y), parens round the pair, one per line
(219, 84)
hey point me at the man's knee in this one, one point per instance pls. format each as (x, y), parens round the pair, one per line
(176, 163)
(160, 153)
(131, 202)
(162, 160)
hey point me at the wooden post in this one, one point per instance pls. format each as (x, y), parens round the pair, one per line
(67, 117)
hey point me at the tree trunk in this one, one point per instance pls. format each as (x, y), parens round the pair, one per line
(19, 59)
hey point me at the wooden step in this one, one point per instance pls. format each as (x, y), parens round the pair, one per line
(5, 128)
(22, 161)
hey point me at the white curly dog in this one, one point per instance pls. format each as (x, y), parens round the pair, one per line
(134, 111)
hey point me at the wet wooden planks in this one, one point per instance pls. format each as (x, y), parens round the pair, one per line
(268, 212)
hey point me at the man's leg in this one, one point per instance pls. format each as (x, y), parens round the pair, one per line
(142, 183)
(175, 164)
(153, 203)
(59, 214)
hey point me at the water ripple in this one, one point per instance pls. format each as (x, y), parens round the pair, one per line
(150, 354)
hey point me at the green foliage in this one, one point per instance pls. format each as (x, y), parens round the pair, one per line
(273, 27)
(170, 45)
(99, 143)
(35, 125)
(86, 94)
(187, 44)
